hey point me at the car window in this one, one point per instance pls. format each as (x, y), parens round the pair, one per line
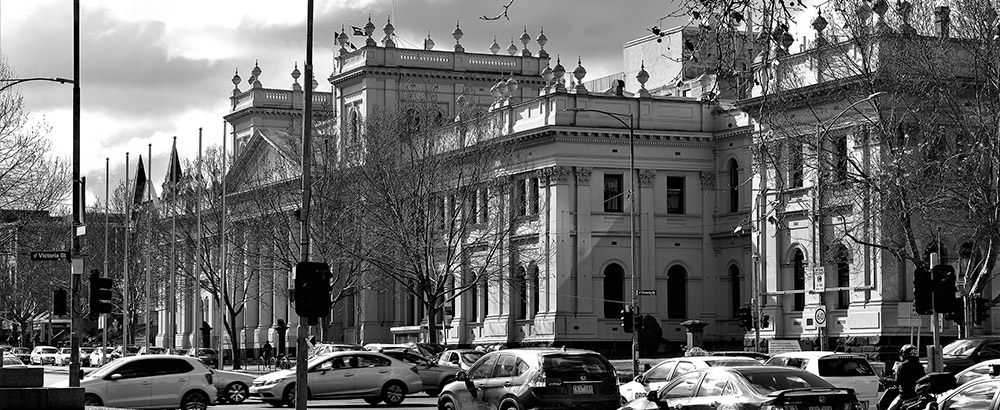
(959, 348)
(660, 373)
(374, 361)
(845, 367)
(505, 366)
(134, 369)
(990, 350)
(453, 357)
(169, 366)
(577, 367)
(732, 362)
(410, 358)
(713, 385)
(483, 369)
(469, 357)
(683, 367)
(974, 372)
(682, 387)
(977, 396)
(521, 368)
(765, 383)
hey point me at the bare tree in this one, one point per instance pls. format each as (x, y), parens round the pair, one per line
(28, 285)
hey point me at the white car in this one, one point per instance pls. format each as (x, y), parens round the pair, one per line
(463, 358)
(149, 382)
(371, 376)
(843, 370)
(44, 354)
(62, 358)
(97, 359)
(981, 369)
(11, 361)
(665, 371)
(976, 394)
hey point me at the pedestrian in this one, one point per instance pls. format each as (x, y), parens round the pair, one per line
(266, 351)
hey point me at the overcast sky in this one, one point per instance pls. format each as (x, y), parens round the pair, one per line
(154, 69)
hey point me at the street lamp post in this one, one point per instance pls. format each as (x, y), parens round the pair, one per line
(631, 198)
(15, 81)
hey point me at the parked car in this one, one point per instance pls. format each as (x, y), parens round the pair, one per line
(324, 348)
(981, 369)
(978, 394)
(12, 361)
(667, 370)
(85, 355)
(747, 388)
(535, 378)
(840, 369)
(63, 356)
(433, 375)
(43, 355)
(233, 387)
(149, 381)
(122, 351)
(207, 355)
(371, 376)
(147, 350)
(963, 353)
(463, 358)
(22, 353)
(97, 359)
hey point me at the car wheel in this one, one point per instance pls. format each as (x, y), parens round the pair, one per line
(194, 400)
(92, 400)
(236, 392)
(288, 397)
(393, 393)
(447, 404)
(509, 406)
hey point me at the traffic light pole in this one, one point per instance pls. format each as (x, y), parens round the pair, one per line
(76, 270)
(935, 361)
(301, 355)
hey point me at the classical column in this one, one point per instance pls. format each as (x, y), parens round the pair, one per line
(646, 234)
(584, 304)
(557, 245)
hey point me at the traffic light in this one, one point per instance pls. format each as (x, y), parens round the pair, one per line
(100, 293)
(944, 290)
(765, 321)
(957, 315)
(312, 290)
(628, 320)
(980, 309)
(922, 291)
(59, 302)
(746, 321)
(637, 319)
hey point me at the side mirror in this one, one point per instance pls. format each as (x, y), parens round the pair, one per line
(653, 396)
(638, 379)
(115, 376)
(461, 376)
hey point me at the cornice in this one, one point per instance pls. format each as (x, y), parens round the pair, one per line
(467, 76)
(285, 112)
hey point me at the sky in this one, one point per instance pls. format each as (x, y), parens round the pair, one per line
(151, 70)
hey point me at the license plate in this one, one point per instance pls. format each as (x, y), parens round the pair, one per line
(588, 389)
(820, 407)
(639, 394)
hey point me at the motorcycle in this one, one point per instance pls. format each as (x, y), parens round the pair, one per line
(927, 389)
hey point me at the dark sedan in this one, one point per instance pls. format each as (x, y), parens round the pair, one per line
(748, 388)
(963, 353)
(22, 353)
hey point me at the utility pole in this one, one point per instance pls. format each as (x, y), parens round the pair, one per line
(78, 228)
(301, 356)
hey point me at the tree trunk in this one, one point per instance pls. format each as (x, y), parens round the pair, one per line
(432, 327)
(234, 341)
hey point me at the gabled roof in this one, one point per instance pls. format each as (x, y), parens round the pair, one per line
(262, 142)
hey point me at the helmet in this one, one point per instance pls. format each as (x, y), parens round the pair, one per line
(908, 350)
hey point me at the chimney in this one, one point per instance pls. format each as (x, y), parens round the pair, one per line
(942, 18)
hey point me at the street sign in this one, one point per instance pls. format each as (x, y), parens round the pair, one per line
(50, 256)
(646, 292)
(820, 316)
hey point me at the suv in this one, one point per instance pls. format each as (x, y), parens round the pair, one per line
(149, 381)
(843, 370)
(535, 378)
(963, 353)
(434, 375)
(44, 354)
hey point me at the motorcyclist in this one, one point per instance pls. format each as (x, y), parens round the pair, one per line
(908, 370)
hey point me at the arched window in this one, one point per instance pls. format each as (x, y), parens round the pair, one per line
(734, 186)
(799, 279)
(535, 293)
(843, 259)
(677, 293)
(734, 276)
(614, 290)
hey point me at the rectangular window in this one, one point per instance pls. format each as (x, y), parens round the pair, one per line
(533, 195)
(472, 214)
(840, 160)
(483, 205)
(474, 305)
(675, 195)
(796, 164)
(520, 197)
(613, 193)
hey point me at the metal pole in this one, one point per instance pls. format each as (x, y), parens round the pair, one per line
(635, 262)
(172, 286)
(107, 190)
(149, 244)
(77, 264)
(125, 284)
(197, 259)
(935, 361)
(223, 309)
(301, 375)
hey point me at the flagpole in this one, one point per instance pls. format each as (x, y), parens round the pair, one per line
(149, 243)
(128, 225)
(172, 298)
(197, 259)
(222, 252)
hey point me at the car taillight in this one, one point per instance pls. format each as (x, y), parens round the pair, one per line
(856, 405)
(539, 380)
(208, 376)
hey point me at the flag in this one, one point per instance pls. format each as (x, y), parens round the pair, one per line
(174, 171)
(358, 31)
(140, 184)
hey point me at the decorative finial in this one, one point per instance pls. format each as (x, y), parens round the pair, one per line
(512, 84)
(457, 34)
(558, 71)
(236, 81)
(579, 73)
(256, 75)
(315, 83)
(511, 49)
(541, 43)
(428, 42)
(342, 39)
(494, 48)
(295, 76)
(642, 77)
(547, 77)
(369, 29)
(819, 24)
(525, 39)
(388, 30)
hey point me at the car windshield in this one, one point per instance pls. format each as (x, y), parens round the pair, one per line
(562, 366)
(156, 350)
(960, 348)
(767, 381)
(21, 350)
(209, 352)
(11, 361)
(736, 361)
(86, 350)
(48, 350)
(471, 357)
